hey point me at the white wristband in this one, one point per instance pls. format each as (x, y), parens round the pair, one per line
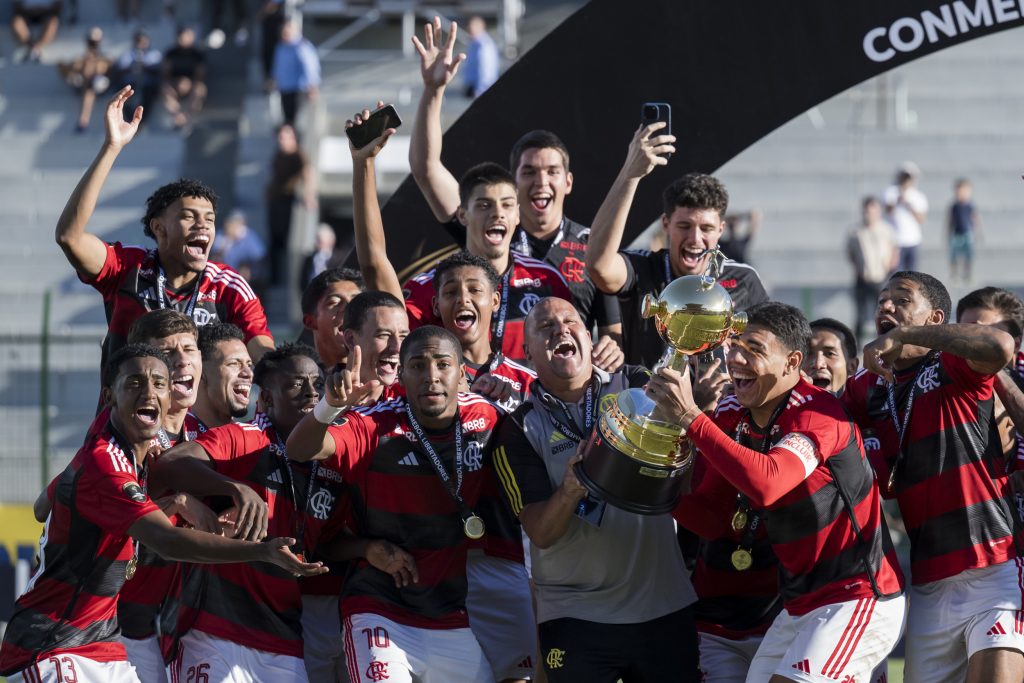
(325, 413)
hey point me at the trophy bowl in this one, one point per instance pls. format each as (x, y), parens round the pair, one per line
(636, 456)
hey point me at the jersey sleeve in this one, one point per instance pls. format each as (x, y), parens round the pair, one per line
(606, 310)
(244, 308)
(764, 478)
(634, 265)
(108, 492)
(419, 297)
(108, 280)
(521, 471)
(230, 446)
(964, 376)
(355, 439)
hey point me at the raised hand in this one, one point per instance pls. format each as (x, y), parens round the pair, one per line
(671, 390)
(607, 354)
(645, 150)
(374, 147)
(491, 387)
(119, 131)
(278, 552)
(880, 354)
(391, 559)
(710, 385)
(438, 65)
(344, 388)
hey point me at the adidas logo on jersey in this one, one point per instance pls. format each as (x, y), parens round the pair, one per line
(410, 460)
(275, 477)
(560, 442)
(804, 666)
(996, 630)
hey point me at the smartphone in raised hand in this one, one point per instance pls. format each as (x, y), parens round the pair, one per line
(374, 126)
(652, 112)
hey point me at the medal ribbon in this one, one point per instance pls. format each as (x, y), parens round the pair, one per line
(901, 427)
(161, 295)
(301, 515)
(573, 433)
(499, 324)
(435, 460)
(141, 473)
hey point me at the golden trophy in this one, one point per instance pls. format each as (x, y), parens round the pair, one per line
(636, 457)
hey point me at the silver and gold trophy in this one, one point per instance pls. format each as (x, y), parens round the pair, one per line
(636, 456)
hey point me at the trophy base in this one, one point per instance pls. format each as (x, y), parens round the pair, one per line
(626, 483)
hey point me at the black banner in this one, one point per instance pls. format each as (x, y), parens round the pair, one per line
(732, 71)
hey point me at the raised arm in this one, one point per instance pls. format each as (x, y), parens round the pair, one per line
(371, 246)
(986, 348)
(85, 251)
(605, 265)
(438, 66)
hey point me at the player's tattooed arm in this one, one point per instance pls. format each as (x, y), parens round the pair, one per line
(986, 348)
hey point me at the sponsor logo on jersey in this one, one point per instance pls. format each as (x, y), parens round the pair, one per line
(410, 460)
(559, 442)
(201, 316)
(804, 666)
(729, 284)
(526, 282)
(330, 475)
(572, 246)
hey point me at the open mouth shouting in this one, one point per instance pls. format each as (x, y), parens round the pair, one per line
(541, 201)
(691, 258)
(240, 392)
(464, 319)
(182, 386)
(308, 406)
(821, 378)
(743, 381)
(147, 416)
(387, 369)
(885, 323)
(495, 234)
(196, 246)
(565, 349)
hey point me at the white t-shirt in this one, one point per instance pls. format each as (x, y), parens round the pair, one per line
(908, 230)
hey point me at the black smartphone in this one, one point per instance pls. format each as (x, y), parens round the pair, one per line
(374, 126)
(652, 112)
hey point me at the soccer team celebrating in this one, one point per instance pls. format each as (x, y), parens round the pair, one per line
(403, 506)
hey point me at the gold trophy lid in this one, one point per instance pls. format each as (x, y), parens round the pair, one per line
(694, 314)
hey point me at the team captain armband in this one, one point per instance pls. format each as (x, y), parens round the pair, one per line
(804, 448)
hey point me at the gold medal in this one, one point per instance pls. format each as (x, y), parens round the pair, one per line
(473, 527)
(739, 520)
(129, 570)
(742, 559)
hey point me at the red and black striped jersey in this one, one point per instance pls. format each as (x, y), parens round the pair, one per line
(70, 605)
(396, 495)
(257, 605)
(529, 280)
(951, 483)
(156, 579)
(730, 603)
(821, 504)
(519, 377)
(128, 283)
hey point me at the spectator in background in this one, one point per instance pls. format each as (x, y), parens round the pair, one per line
(288, 170)
(139, 67)
(321, 257)
(961, 226)
(740, 230)
(216, 37)
(128, 10)
(873, 251)
(242, 249)
(296, 70)
(184, 78)
(906, 208)
(87, 75)
(271, 17)
(482, 60)
(29, 13)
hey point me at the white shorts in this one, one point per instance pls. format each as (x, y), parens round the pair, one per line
(322, 644)
(501, 616)
(144, 654)
(843, 641)
(61, 668)
(378, 649)
(951, 619)
(207, 659)
(726, 661)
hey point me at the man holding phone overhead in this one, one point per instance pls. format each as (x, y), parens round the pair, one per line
(693, 220)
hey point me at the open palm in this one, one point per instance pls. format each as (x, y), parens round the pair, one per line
(119, 131)
(438, 65)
